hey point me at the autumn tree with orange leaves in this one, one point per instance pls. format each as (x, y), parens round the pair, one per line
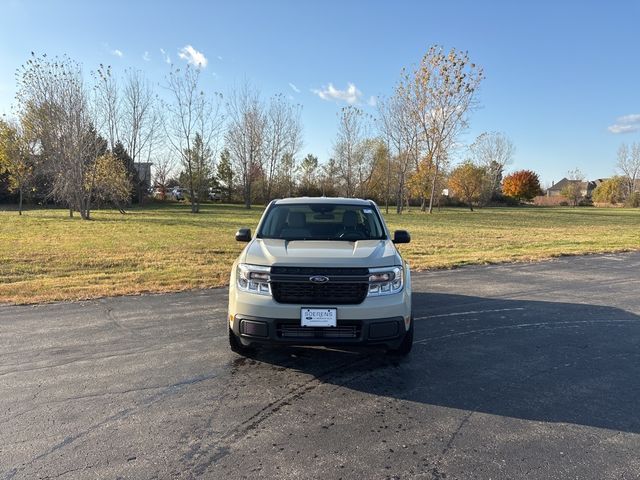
(521, 185)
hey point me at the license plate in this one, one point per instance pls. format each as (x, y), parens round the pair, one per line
(318, 317)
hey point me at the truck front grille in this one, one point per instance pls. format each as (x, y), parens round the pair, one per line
(334, 293)
(345, 286)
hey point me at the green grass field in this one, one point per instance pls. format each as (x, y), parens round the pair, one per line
(46, 256)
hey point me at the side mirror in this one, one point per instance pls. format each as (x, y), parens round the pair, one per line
(243, 235)
(401, 236)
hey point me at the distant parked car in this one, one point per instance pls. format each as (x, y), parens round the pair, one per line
(176, 193)
(214, 196)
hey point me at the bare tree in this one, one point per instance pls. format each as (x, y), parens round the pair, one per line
(289, 164)
(163, 169)
(245, 136)
(439, 94)
(283, 134)
(402, 140)
(140, 123)
(629, 166)
(575, 189)
(53, 105)
(274, 142)
(191, 112)
(493, 151)
(137, 111)
(348, 150)
(156, 145)
(107, 103)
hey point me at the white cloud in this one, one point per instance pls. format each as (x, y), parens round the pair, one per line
(294, 88)
(626, 124)
(631, 118)
(146, 57)
(623, 128)
(165, 55)
(373, 101)
(112, 51)
(193, 56)
(350, 95)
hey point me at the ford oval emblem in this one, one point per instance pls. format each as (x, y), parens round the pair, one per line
(319, 279)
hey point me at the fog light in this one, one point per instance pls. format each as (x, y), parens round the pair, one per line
(255, 329)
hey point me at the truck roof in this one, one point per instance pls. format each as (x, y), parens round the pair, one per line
(336, 200)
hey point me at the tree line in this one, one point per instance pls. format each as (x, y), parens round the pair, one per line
(76, 141)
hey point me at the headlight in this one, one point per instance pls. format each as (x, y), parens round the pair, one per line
(253, 279)
(385, 281)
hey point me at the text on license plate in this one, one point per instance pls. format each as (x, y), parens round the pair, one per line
(318, 317)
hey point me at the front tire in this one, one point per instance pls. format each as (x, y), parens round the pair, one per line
(405, 346)
(237, 347)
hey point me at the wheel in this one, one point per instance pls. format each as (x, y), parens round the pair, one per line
(237, 347)
(405, 346)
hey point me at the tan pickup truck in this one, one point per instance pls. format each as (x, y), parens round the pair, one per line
(321, 271)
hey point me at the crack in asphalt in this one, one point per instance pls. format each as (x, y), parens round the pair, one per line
(108, 311)
(232, 436)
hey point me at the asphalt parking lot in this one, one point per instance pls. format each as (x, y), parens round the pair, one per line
(518, 371)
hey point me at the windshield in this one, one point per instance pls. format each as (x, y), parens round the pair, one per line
(322, 221)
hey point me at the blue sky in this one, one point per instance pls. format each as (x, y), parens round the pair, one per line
(560, 76)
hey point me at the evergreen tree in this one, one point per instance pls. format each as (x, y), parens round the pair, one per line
(198, 172)
(121, 154)
(225, 174)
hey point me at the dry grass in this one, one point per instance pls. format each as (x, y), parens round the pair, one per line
(45, 256)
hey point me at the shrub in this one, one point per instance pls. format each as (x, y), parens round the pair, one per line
(633, 200)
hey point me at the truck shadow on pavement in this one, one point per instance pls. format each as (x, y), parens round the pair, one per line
(533, 360)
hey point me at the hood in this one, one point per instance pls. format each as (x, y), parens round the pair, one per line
(322, 253)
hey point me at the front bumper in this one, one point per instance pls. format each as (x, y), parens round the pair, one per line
(386, 332)
(381, 321)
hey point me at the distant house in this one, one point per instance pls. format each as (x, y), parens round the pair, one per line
(144, 174)
(586, 187)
